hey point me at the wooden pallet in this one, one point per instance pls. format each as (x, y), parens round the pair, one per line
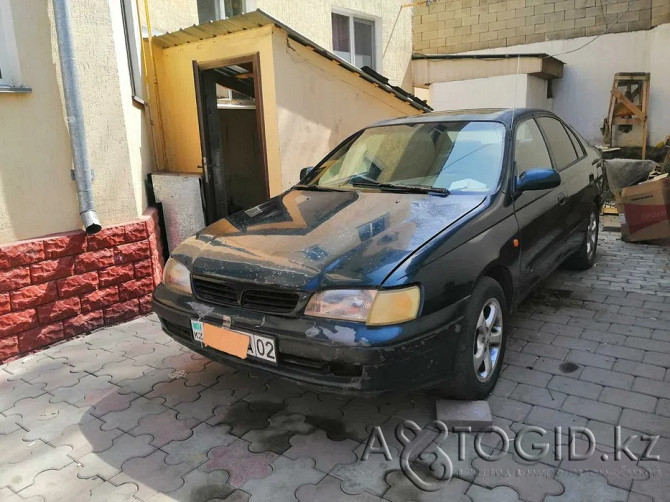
(629, 103)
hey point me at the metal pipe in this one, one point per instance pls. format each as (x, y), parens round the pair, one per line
(83, 175)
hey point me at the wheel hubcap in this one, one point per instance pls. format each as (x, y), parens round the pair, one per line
(591, 235)
(488, 340)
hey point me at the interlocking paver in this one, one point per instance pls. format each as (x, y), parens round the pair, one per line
(646, 422)
(42, 457)
(275, 436)
(592, 409)
(636, 368)
(12, 391)
(241, 417)
(7, 495)
(129, 418)
(14, 448)
(325, 452)
(588, 486)
(530, 485)
(287, 475)
(152, 475)
(165, 427)
(499, 494)
(657, 485)
(76, 393)
(328, 490)
(574, 387)
(632, 400)
(107, 492)
(108, 463)
(61, 484)
(199, 485)
(241, 464)
(367, 475)
(401, 488)
(195, 448)
(537, 395)
(86, 437)
(175, 392)
(607, 377)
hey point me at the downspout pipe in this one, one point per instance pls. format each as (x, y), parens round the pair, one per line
(83, 175)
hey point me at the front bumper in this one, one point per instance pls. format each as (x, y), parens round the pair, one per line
(335, 355)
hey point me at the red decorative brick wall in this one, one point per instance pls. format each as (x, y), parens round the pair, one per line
(63, 285)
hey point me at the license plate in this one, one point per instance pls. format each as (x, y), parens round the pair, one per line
(263, 347)
(234, 342)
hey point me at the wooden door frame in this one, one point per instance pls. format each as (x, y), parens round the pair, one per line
(199, 66)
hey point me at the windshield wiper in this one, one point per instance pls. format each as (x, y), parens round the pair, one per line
(318, 188)
(403, 188)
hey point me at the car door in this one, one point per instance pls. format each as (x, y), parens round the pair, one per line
(569, 158)
(539, 213)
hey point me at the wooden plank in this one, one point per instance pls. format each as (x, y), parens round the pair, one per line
(628, 104)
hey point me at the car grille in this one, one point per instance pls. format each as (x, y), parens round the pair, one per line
(238, 295)
(215, 292)
(272, 301)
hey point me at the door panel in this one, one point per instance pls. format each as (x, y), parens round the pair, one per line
(538, 213)
(210, 144)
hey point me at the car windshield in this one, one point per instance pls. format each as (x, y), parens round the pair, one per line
(451, 156)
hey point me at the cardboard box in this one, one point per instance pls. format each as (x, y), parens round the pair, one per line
(646, 210)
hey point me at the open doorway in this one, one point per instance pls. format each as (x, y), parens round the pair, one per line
(231, 135)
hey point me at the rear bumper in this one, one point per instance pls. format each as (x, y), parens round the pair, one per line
(330, 355)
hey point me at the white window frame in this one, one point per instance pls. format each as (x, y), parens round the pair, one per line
(10, 79)
(220, 8)
(133, 42)
(377, 35)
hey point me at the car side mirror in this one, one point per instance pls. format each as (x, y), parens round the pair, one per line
(305, 171)
(537, 179)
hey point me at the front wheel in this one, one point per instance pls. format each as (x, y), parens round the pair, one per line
(584, 257)
(480, 347)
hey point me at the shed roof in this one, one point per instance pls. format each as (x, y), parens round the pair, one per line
(258, 18)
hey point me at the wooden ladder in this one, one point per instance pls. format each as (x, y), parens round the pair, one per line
(629, 103)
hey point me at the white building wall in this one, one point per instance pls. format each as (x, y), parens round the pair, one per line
(504, 91)
(582, 95)
(313, 20)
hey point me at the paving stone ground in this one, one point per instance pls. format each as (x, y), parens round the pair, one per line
(127, 414)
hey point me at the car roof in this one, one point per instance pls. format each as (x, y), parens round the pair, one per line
(505, 115)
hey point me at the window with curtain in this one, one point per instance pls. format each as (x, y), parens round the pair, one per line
(354, 39)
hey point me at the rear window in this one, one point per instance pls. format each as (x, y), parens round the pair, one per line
(559, 142)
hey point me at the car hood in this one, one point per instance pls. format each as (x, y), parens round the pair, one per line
(309, 240)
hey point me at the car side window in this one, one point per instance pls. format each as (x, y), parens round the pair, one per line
(576, 143)
(530, 151)
(559, 142)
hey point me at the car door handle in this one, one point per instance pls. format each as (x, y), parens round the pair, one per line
(562, 198)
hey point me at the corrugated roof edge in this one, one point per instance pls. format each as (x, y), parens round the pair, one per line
(258, 18)
(541, 55)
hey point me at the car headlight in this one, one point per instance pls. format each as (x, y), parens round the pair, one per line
(372, 306)
(177, 276)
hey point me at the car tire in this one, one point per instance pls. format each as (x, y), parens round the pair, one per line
(584, 257)
(480, 347)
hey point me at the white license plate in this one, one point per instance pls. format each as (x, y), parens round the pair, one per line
(263, 347)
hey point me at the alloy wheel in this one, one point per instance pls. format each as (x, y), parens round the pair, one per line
(591, 235)
(488, 340)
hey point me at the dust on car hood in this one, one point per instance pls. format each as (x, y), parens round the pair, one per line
(309, 240)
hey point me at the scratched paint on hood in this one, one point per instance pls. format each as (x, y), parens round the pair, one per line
(310, 240)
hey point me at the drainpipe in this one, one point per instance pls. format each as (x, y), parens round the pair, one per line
(82, 173)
